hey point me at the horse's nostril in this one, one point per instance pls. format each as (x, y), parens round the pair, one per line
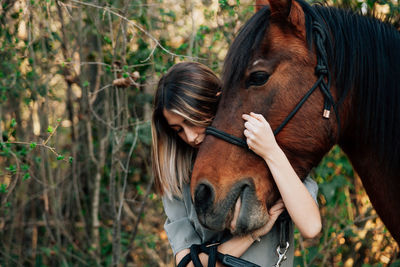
(203, 196)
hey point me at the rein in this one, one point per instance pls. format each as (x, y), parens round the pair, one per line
(228, 260)
(324, 83)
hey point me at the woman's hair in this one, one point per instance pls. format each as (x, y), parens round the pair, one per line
(189, 89)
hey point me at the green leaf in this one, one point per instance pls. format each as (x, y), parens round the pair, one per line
(50, 129)
(13, 123)
(70, 159)
(60, 157)
(3, 188)
(12, 168)
(107, 39)
(26, 176)
(140, 190)
(33, 145)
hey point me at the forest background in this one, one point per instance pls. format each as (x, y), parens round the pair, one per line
(76, 85)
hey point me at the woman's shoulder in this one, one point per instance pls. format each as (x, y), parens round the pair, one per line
(310, 182)
(311, 186)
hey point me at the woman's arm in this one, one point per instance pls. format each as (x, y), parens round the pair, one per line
(237, 245)
(299, 203)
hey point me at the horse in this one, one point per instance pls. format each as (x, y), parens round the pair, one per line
(320, 76)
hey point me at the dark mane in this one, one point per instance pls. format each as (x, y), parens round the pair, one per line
(364, 58)
(246, 42)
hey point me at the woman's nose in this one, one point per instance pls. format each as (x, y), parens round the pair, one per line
(191, 135)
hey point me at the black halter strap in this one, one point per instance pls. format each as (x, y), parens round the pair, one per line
(226, 137)
(323, 82)
(213, 257)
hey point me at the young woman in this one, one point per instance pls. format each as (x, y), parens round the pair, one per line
(184, 105)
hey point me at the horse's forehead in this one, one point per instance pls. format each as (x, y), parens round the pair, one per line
(279, 44)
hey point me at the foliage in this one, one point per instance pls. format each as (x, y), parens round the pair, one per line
(352, 233)
(77, 80)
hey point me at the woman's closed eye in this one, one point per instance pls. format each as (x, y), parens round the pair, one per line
(177, 129)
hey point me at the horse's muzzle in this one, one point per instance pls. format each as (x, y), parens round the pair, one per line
(217, 215)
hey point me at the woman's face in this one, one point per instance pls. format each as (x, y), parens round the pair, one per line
(191, 134)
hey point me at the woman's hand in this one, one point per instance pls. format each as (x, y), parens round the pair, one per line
(274, 213)
(259, 135)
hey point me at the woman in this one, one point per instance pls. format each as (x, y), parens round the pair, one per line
(184, 105)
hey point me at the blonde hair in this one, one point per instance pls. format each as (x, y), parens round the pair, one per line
(190, 90)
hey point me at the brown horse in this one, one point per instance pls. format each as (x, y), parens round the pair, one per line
(352, 65)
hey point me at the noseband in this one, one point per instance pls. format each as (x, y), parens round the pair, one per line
(323, 82)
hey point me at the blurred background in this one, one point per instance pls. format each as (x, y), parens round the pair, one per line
(76, 85)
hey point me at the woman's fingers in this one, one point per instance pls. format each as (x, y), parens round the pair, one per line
(257, 120)
(273, 217)
(259, 117)
(249, 135)
(251, 119)
(278, 207)
(274, 213)
(250, 126)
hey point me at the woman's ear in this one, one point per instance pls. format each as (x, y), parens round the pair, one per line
(218, 94)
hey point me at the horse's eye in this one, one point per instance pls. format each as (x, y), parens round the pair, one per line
(257, 78)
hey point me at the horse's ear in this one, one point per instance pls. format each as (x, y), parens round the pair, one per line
(260, 4)
(288, 10)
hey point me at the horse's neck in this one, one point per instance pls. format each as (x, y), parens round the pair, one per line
(382, 184)
(368, 84)
(365, 152)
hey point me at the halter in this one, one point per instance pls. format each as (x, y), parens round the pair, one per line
(323, 82)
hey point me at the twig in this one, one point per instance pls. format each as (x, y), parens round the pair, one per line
(136, 227)
(10, 258)
(107, 9)
(14, 182)
(52, 149)
(126, 170)
(98, 91)
(51, 134)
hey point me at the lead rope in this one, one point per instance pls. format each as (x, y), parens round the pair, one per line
(283, 246)
(213, 257)
(228, 260)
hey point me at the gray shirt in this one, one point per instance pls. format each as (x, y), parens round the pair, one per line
(184, 229)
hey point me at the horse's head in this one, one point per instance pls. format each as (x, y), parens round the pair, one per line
(268, 70)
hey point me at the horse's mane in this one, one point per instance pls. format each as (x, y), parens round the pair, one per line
(246, 42)
(372, 80)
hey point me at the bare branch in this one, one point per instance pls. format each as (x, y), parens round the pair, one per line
(154, 39)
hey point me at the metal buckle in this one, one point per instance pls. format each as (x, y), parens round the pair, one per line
(281, 254)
